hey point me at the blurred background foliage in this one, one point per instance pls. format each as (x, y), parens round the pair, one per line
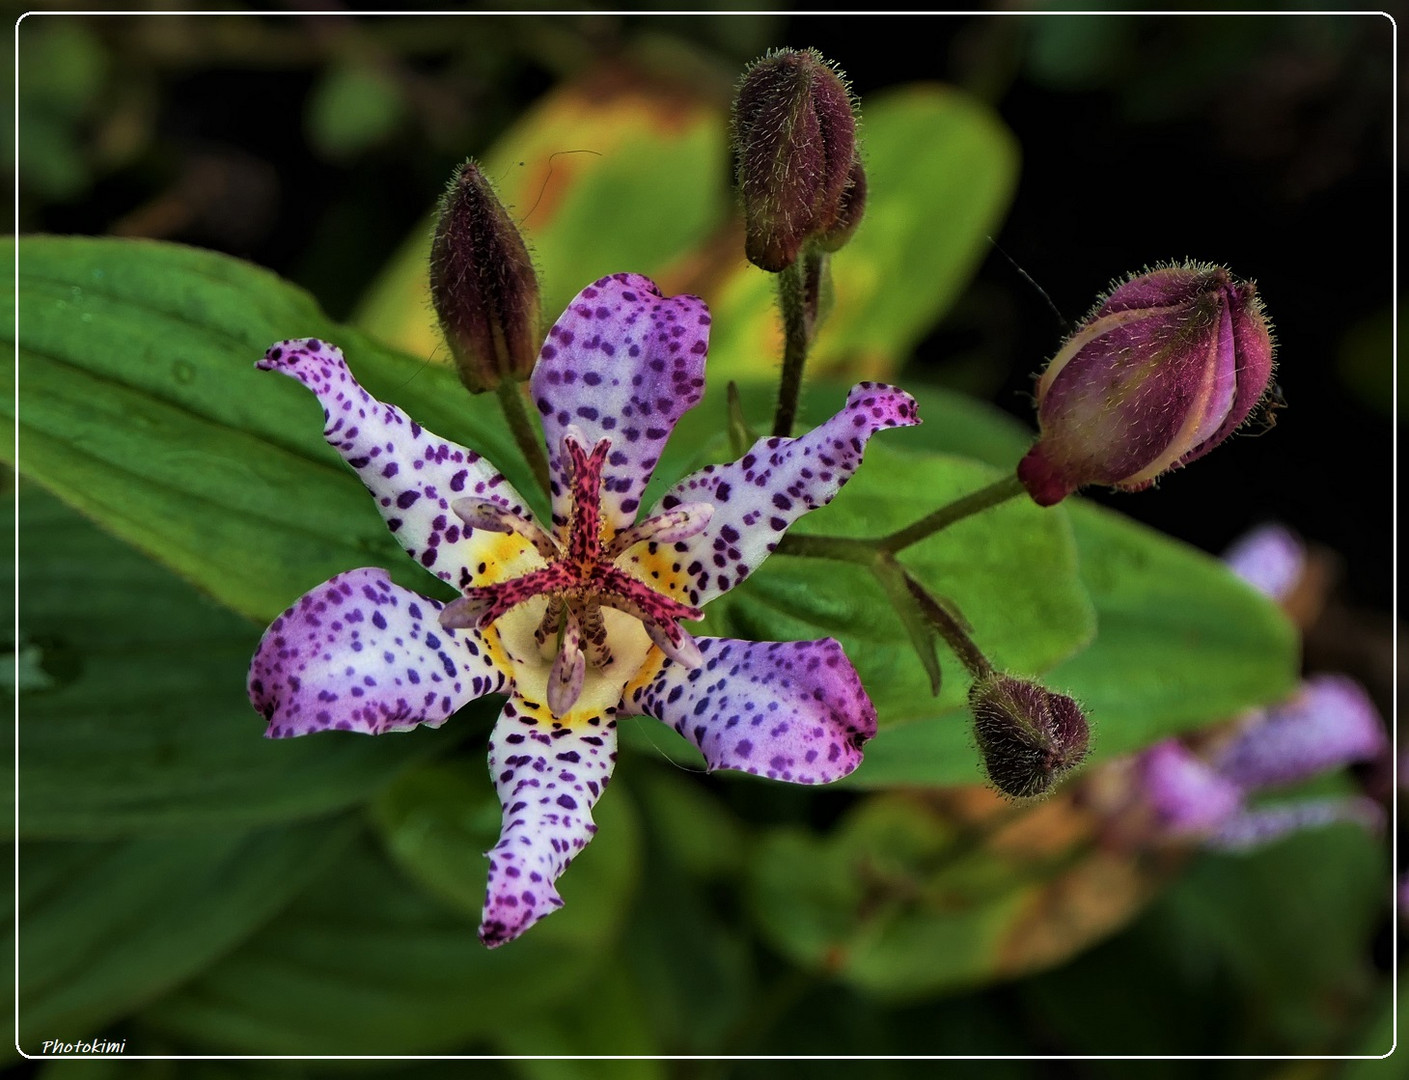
(192, 888)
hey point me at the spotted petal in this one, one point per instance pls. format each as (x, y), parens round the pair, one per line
(361, 654)
(624, 364)
(756, 498)
(548, 776)
(792, 711)
(1330, 723)
(412, 474)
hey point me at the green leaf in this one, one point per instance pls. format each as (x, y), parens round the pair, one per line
(1243, 909)
(1180, 641)
(137, 719)
(105, 928)
(1263, 953)
(612, 1020)
(140, 406)
(364, 962)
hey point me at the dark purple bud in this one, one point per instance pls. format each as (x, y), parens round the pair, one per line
(853, 206)
(1028, 735)
(794, 135)
(483, 285)
(1165, 368)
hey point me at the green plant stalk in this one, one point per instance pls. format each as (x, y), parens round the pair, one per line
(800, 288)
(525, 432)
(999, 491)
(948, 627)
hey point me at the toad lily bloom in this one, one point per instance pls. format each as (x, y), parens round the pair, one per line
(578, 623)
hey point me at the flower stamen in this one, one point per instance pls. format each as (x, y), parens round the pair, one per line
(680, 523)
(488, 515)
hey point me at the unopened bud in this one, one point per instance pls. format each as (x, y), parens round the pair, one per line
(796, 163)
(1028, 735)
(483, 285)
(1169, 365)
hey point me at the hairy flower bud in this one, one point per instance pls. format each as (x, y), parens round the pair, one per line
(796, 162)
(1028, 735)
(483, 285)
(1162, 371)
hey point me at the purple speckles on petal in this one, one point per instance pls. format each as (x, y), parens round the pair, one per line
(354, 673)
(625, 362)
(412, 462)
(759, 496)
(819, 713)
(548, 778)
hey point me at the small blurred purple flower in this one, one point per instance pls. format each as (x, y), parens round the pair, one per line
(1330, 723)
(1269, 558)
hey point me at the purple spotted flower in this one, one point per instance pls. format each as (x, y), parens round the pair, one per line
(1330, 723)
(578, 622)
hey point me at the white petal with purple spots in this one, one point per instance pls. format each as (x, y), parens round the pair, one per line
(412, 474)
(793, 711)
(624, 364)
(756, 498)
(548, 776)
(361, 654)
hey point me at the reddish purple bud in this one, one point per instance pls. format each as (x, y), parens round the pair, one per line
(483, 285)
(1028, 735)
(796, 164)
(1163, 370)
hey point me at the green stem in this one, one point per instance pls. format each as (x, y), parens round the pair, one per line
(998, 491)
(525, 431)
(841, 548)
(799, 301)
(949, 628)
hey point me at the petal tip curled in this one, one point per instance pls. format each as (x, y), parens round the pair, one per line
(298, 357)
(887, 406)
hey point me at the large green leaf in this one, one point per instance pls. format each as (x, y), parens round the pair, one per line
(139, 405)
(134, 716)
(1180, 643)
(106, 927)
(364, 962)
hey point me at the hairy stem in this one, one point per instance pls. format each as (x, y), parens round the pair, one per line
(525, 431)
(997, 492)
(799, 300)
